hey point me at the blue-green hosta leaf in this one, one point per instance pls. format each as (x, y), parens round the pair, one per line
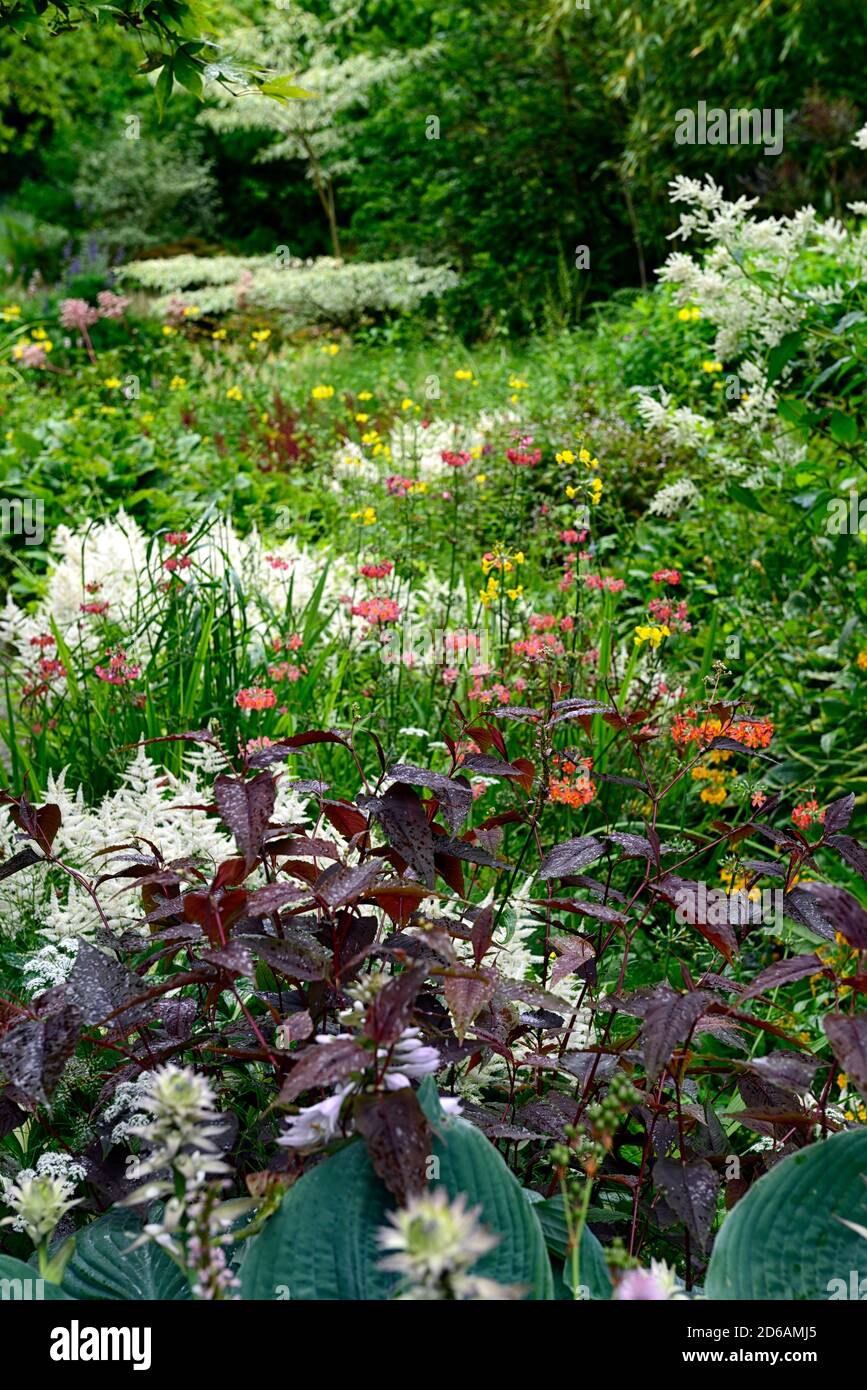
(20, 1282)
(103, 1266)
(322, 1244)
(786, 1239)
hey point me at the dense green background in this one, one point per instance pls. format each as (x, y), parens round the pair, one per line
(556, 129)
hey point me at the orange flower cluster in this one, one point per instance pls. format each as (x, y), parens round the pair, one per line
(571, 789)
(752, 733)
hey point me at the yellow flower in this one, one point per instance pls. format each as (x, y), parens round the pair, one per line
(652, 634)
(365, 395)
(362, 419)
(462, 374)
(234, 393)
(111, 382)
(218, 335)
(489, 593)
(261, 335)
(177, 383)
(322, 393)
(367, 517)
(38, 334)
(515, 593)
(517, 384)
(862, 660)
(571, 492)
(10, 312)
(47, 345)
(584, 455)
(481, 479)
(191, 311)
(369, 436)
(169, 331)
(595, 491)
(406, 403)
(565, 456)
(330, 349)
(709, 366)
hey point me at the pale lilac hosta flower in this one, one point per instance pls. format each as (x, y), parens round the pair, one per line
(432, 1243)
(409, 1060)
(77, 315)
(406, 1061)
(315, 1125)
(110, 305)
(657, 1284)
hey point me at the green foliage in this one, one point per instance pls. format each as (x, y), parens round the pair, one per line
(104, 1266)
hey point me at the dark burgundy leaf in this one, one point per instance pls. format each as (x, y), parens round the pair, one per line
(854, 853)
(668, 1020)
(401, 815)
(99, 985)
(344, 885)
(783, 972)
(843, 910)
(246, 808)
(691, 1191)
(296, 954)
(575, 954)
(325, 1064)
(396, 1132)
(34, 1053)
(487, 766)
(22, 860)
(392, 1006)
(847, 1034)
(272, 897)
(839, 814)
(731, 745)
(570, 856)
(785, 1069)
(234, 957)
(454, 795)
(467, 992)
(804, 908)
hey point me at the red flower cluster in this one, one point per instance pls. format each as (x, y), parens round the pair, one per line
(524, 458)
(455, 460)
(380, 571)
(573, 787)
(604, 581)
(666, 576)
(806, 812)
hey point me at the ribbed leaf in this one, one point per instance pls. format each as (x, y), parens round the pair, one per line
(104, 1267)
(321, 1244)
(786, 1238)
(19, 1281)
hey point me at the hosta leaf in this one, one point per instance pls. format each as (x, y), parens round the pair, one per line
(19, 1282)
(786, 1239)
(103, 1266)
(321, 1243)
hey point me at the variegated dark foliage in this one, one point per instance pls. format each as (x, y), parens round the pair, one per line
(361, 890)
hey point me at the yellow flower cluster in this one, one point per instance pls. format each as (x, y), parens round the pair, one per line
(322, 393)
(652, 633)
(689, 313)
(367, 516)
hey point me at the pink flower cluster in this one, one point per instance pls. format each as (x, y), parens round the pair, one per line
(604, 581)
(666, 576)
(377, 610)
(119, 671)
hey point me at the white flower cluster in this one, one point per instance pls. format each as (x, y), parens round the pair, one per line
(40, 1196)
(304, 293)
(114, 562)
(755, 281)
(147, 804)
